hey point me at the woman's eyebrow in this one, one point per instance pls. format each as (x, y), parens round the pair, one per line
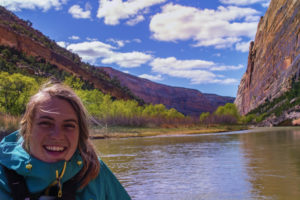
(71, 120)
(46, 117)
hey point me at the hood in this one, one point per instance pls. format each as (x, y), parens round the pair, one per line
(38, 174)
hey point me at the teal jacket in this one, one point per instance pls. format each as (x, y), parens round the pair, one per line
(39, 175)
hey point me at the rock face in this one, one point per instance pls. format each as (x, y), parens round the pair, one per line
(188, 101)
(274, 56)
(19, 39)
(19, 34)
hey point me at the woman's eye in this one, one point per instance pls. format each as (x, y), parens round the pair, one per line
(69, 126)
(45, 124)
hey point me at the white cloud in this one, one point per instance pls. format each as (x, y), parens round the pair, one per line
(226, 67)
(266, 5)
(62, 44)
(220, 28)
(197, 71)
(114, 10)
(172, 62)
(245, 2)
(77, 12)
(119, 43)
(242, 46)
(17, 5)
(91, 39)
(92, 51)
(136, 20)
(137, 40)
(151, 77)
(74, 37)
(128, 60)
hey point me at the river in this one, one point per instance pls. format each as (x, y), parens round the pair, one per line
(254, 164)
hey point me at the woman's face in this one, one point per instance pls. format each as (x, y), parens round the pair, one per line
(55, 131)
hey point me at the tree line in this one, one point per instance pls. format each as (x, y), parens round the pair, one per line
(21, 75)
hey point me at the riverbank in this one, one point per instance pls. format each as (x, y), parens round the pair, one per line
(124, 132)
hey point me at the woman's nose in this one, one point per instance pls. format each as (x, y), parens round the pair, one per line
(56, 132)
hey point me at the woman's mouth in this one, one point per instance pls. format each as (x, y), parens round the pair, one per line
(54, 148)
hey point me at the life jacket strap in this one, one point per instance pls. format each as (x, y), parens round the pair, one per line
(19, 189)
(17, 184)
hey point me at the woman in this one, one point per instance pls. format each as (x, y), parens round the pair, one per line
(51, 156)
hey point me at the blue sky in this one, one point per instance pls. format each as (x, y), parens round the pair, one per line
(186, 43)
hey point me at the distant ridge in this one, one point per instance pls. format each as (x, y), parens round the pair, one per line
(187, 101)
(19, 34)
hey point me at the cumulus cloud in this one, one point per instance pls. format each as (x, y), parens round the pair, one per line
(114, 10)
(77, 12)
(119, 43)
(152, 77)
(136, 20)
(172, 62)
(92, 51)
(128, 60)
(62, 44)
(197, 71)
(18, 5)
(242, 46)
(137, 40)
(226, 67)
(74, 37)
(245, 2)
(220, 28)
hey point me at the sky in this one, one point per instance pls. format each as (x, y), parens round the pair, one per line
(194, 44)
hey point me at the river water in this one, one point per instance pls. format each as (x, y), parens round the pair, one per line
(257, 164)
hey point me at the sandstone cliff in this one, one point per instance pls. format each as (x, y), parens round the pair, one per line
(19, 34)
(188, 101)
(16, 33)
(274, 58)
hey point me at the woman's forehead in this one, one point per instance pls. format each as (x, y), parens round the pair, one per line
(55, 107)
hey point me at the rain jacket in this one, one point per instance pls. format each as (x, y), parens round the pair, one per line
(39, 175)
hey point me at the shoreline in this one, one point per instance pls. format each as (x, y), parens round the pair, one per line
(127, 132)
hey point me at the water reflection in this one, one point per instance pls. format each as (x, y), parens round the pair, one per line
(259, 165)
(274, 163)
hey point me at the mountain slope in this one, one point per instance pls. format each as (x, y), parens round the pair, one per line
(19, 34)
(188, 101)
(274, 56)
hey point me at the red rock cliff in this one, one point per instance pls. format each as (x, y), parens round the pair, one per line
(34, 47)
(274, 57)
(188, 101)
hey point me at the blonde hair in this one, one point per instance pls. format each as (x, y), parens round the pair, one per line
(91, 165)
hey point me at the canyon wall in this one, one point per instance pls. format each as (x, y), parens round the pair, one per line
(9, 37)
(187, 101)
(274, 56)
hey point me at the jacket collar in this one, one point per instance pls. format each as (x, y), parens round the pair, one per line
(38, 174)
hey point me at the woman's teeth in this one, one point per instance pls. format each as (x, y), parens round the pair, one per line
(54, 148)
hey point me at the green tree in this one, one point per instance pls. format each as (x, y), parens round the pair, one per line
(204, 116)
(228, 109)
(74, 82)
(15, 90)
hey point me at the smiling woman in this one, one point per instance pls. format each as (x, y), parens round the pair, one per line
(51, 157)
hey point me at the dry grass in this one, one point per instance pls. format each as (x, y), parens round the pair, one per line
(9, 123)
(119, 132)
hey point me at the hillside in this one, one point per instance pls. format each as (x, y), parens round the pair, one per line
(18, 34)
(273, 63)
(187, 101)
